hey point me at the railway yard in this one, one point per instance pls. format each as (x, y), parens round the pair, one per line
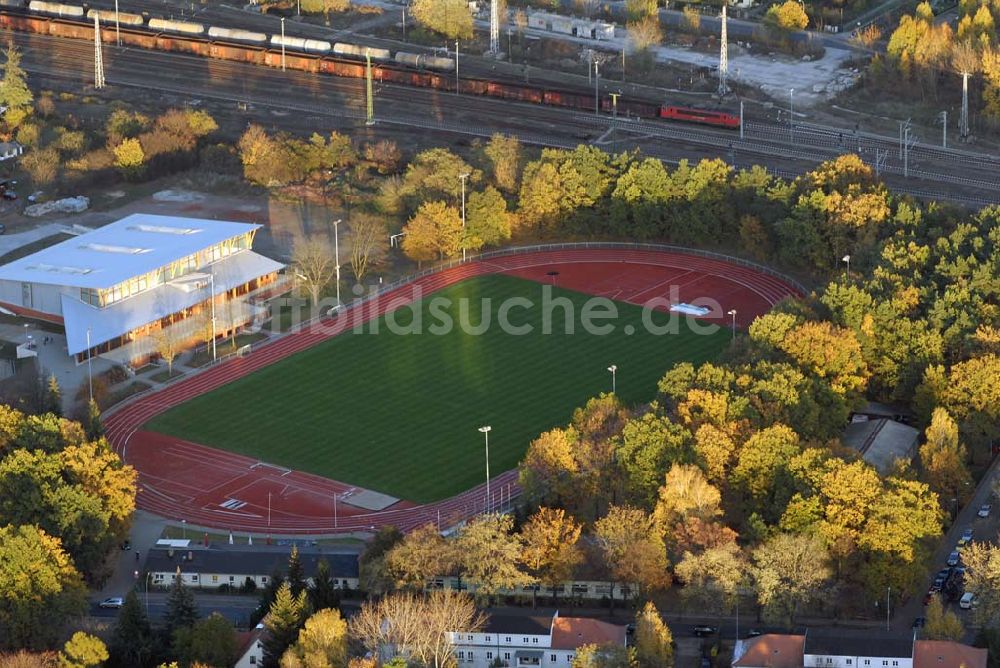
(414, 94)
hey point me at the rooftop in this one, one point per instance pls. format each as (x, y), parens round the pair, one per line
(771, 650)
(881, 442)
(946, 654)
(537, 625)
(889, 648)
(574, 632)
(258, 560)
(129, 247)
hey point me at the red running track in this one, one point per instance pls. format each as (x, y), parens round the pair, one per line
(210, 487)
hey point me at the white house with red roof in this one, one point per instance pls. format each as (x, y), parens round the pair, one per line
(547, 641)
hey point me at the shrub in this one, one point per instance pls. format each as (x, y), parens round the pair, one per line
(42, 165)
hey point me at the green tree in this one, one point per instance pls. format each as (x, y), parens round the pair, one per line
(213, 642)
(942, 624)
(789, 571)
(285, 618)
(762, 470)
(650, 444)
(434, 232)
(374, 575)
(40, 588)
(14, 91)
(133, 642)
(489, 554)
(182, 610)
(653, 639)
(92, 424)
(322, 642)
(323, 593)
(82, 651)
(295, 576)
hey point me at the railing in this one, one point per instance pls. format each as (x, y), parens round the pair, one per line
(502, 252)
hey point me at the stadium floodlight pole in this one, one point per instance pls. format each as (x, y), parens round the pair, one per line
(486, 433)
(211, 296)
(463, 177)
(90, 368)
(336, 251)
(614, 378)
(282, 43)
(597, 83)
(732, 312)
(118, 33)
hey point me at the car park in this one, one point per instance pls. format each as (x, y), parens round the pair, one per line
(954, 558)
(113, 602)
(703, 630)
(984, 510)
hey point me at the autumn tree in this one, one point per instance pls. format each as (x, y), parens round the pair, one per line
(551, 552)
(450, 18)
(762, 470)
(422, 555)
(713, 578)
(374, 573)
(789, 571)
(434, 232)
(40, 589)
(549, 468)
(943, 460)
(322, 642)
(83, 651)
(789, 16)
(368, 243)
(314, 264)
(167, 345)
(653, 639)
(504, 154)
(645, 33)
(489, 554)
(632, 548)
(488, 221)
(603, 656)
(982, 578)
(942, 624)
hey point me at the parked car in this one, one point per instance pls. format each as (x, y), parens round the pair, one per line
(113, 602)
(9, 195)
(919, 622)
(954, 558)
(984, 510)
(966, 537)
(967, 601)
(753, 633)
(127, 545)
(703, 630)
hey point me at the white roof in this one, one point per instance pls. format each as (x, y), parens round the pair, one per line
(130, 247)
(146, 307)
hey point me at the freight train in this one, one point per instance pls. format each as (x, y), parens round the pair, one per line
(310, 55)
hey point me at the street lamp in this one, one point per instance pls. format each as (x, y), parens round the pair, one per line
(614, 380)
(90, 368)
(149, 575)
(282, 43)
(336, 251)
(486, 434)
(791, 125)
(463, 177)
(732, 312)
(847, 259)
(118, 32)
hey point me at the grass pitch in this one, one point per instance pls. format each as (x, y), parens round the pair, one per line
(399, 413)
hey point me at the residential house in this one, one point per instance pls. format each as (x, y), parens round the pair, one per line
(251, 650)
(771, 650)
(822, 651)
(945, 654)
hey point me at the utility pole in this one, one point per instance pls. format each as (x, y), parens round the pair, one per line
(494, 28)
(98, 56)
(723, 55)
(963, 121)
(944, 129)
(370, 112)
(597, 82)
(282, 43)
(741, 119)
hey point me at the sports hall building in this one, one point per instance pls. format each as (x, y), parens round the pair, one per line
(119, 289)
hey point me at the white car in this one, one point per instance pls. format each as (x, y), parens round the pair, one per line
(113, 602)
(984, 510)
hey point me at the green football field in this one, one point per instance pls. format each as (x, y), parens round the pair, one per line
(400, 413)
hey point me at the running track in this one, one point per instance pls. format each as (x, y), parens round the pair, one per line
(183, 480)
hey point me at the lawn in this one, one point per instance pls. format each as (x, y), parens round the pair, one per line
(399, 413)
